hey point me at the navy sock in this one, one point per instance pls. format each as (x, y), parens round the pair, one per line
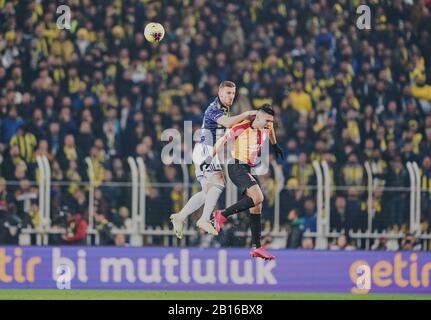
(256, 229)
(245, 203)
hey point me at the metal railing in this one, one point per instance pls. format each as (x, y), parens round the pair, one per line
(139, 188)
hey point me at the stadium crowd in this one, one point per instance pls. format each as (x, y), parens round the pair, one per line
(99, 90)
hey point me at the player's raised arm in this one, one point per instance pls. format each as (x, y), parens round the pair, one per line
(229, 122)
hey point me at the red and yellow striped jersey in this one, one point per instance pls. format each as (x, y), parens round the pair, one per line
(247, 142)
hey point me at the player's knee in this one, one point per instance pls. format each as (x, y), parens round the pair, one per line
(209, 186)
(217, 178)
(257, 197)
(259, 208)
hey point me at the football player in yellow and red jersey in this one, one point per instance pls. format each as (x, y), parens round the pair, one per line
(216, 116)
(247, 138)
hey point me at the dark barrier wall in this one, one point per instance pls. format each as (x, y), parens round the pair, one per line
(195, 269)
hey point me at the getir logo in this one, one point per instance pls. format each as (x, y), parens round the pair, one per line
(23, 270)
(399, 272)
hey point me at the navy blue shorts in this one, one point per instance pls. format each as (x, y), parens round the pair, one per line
(240, 174)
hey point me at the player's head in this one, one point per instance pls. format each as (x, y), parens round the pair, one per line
(226, 93)
(264, 117)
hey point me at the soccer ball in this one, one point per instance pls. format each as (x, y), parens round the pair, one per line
(154, 32)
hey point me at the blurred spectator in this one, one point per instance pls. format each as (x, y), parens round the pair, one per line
(397, 177)
(380, 244)
(425, 172)
(3, 195)
(10, 226)
(352, 172)
(310, 216)
(410, 242)
(120, 240)
(76, 229)
(307, 243)
(295, 230)
(227, 237)
(355, 219)
(78, 202)
(124, 221)
(34, 215)
(379, 215)
(24, 195)
(342, 243)
(268, 185)
(10, 124)
(104, 229)
(338, 215)
(291, 197)
(300, 100)
(155, 206)
(26, 143)
(302, 172)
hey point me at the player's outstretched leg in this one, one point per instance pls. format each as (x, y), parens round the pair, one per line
(252, 198)
(178, 219)
(211, 200)
(214, 188)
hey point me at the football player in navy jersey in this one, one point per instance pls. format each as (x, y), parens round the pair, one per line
(211, 178)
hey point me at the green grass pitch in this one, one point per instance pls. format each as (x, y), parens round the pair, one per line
(25, 294)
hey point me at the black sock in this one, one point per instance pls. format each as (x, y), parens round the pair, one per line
(255, 227)
(245, 203)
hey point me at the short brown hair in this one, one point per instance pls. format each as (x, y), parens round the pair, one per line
(227, 83)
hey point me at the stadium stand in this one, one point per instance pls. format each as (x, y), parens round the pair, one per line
(100, 92)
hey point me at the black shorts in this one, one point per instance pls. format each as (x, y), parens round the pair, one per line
(241, 176)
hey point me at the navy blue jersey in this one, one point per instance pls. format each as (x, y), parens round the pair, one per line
(209, 124)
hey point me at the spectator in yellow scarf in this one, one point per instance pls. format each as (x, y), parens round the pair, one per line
(26, 143)
(301, 100)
